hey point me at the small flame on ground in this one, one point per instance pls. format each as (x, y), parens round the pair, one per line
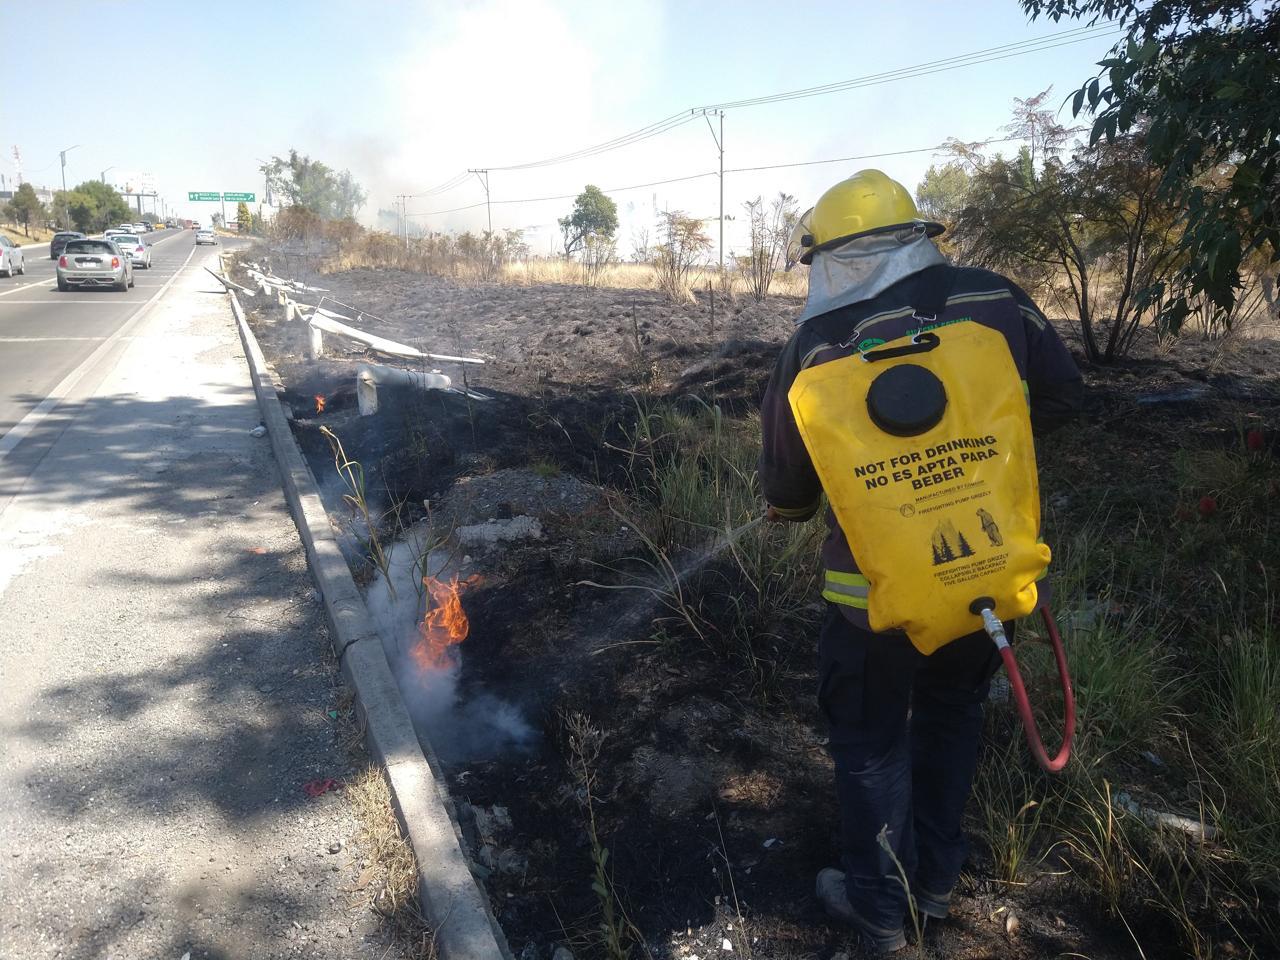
(445, 624)
(319, 403)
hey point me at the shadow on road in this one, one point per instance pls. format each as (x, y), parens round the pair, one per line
(179, 691)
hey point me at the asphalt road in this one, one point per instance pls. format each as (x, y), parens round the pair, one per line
(47, 338)
(168, 738)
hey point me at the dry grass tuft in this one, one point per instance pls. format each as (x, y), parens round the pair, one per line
(389, 884)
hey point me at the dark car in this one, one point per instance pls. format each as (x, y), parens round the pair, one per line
(59, 242)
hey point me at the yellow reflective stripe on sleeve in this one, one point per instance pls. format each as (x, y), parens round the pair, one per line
(849, 601)
(848, 579)
(850, 589)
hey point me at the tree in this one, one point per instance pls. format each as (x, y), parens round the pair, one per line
(770, 230)
(942, 192)
(244, 217)
(314, 186)
(683, 243)
(1095, 214)
(92, 206)
(25, 207)
(593, 213)
(1199, 77)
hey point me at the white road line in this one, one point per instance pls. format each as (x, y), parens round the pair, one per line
(60, 301)
(44, 339)
(33, 283)
(46, 406)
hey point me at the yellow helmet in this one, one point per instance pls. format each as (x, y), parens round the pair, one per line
(867, 202)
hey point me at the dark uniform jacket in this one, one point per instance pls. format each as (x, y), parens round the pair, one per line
(934, 297)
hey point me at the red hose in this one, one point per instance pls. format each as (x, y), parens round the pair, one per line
(1024, 705)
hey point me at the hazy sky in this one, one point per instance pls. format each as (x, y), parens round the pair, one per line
(406, 94)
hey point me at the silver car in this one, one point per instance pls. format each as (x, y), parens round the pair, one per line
(205, 236)
(12, 262)
(94, 263)
(139, 250)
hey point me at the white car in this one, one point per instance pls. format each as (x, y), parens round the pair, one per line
(11, 260)
(138, 228)
(135, 248)
(205, 236)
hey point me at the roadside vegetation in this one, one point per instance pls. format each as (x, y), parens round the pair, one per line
(1145, 235)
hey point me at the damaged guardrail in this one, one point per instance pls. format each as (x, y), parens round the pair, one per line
(369, 376)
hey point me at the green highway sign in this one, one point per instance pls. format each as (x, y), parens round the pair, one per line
(242, 197)
(204, 196)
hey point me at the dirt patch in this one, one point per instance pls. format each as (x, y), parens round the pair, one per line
(715, 805)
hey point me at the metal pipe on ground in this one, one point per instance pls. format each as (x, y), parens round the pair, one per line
(319, 321)
(370, 376)
(228, 284)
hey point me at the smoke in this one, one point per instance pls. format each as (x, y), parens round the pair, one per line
(460, 728)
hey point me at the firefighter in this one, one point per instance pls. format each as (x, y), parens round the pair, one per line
(904, 727)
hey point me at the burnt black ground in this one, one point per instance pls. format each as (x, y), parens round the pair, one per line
(696, 775)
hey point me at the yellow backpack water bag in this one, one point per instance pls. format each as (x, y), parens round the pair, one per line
(924, 449)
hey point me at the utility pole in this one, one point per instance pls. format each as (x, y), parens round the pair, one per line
(719, 146)
(63, 155)
(484, 180)
(103, 176)
(402, 209)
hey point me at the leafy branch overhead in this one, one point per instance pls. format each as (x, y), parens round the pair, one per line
(1200, 79)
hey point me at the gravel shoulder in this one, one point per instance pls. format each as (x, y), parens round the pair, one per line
(168, 691)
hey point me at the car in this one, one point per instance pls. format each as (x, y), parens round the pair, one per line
(12, 261)
(113, 232)
(94, 263)
(125, 227)
(139, 227)
(138, 250)
(205, 236)
(59, 240)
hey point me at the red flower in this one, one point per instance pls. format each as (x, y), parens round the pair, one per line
(1253, 439)
(1208, 506)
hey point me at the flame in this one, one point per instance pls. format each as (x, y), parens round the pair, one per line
(319, 403)
(445, 624)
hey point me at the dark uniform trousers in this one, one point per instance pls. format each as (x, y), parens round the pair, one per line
(905, 734)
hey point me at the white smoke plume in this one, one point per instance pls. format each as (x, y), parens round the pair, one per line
(460, 730)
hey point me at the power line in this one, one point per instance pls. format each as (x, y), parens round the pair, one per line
(868, 156)
(445, 187)
(1019, 48)
(572, 196)
(988, 55)
(712, 173)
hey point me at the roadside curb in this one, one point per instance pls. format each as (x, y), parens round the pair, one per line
(453, 904)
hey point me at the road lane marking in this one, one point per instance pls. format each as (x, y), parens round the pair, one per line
(19, 431)
(33, 283)
(45, 339)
